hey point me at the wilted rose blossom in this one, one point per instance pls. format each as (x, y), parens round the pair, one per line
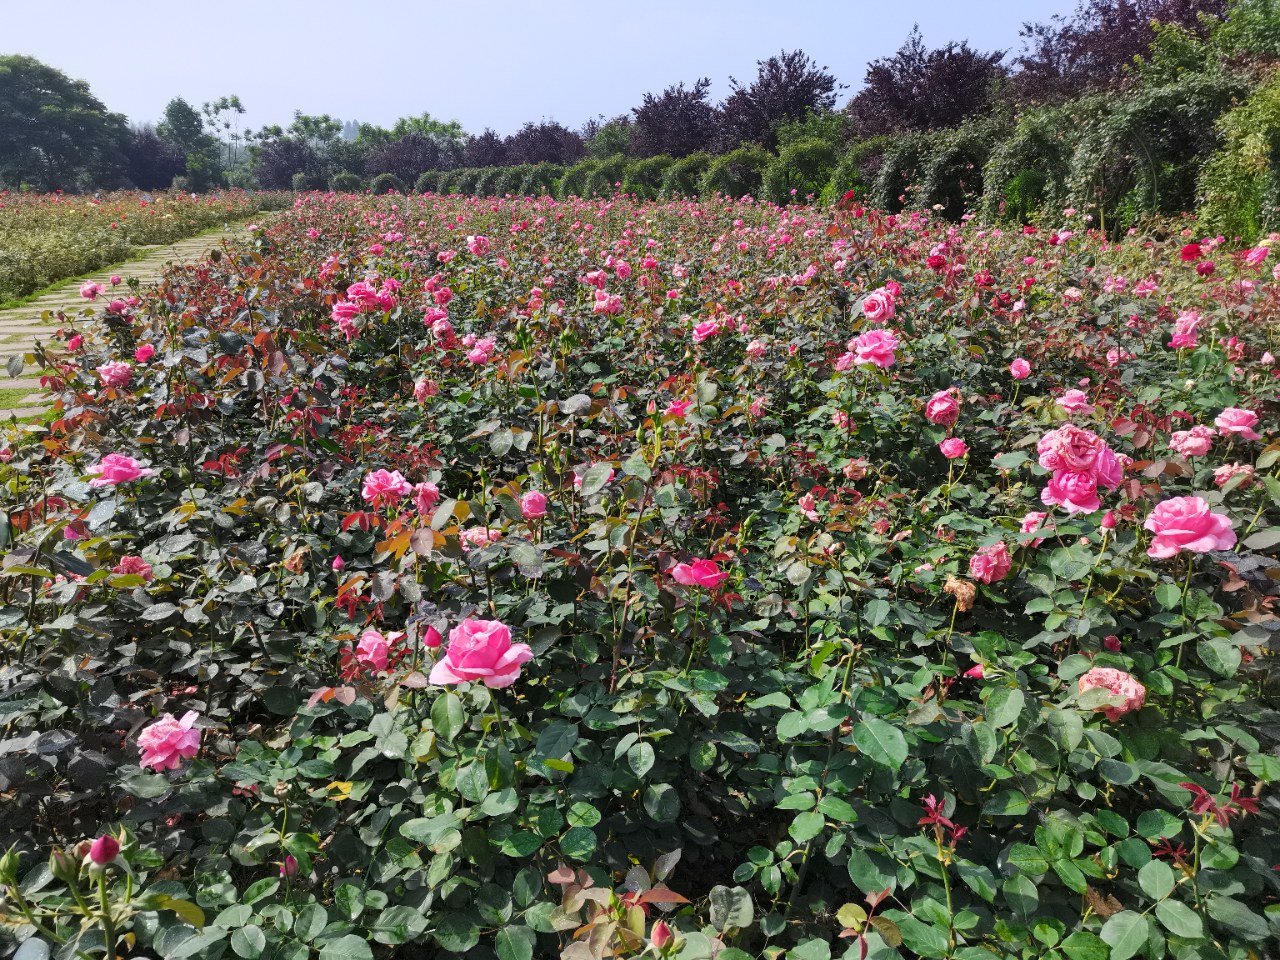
(943, 408)
(1223, 474)
(481, 650)
(169, 741)
(1120, 684)
(953, 448)
(1187, 523)
(478, 245)
(1195, 442)
(116, 468)
(477, 537)
(699, 573)
(990, 563)
(756, 349)
(1020, 369)
(385, 488)
(1235, 420)
(533, 505)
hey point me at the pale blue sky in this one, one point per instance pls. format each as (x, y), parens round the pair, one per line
(495, 63)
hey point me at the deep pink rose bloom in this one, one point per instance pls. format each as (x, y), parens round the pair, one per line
(1074, 492)
(1120, 684)
(479, 246)
(425, 496)
(431, 638)
(991, 563)
(878, 306)
(373, 650)
(289, 867)
(385, 487)
(943, 408)
(678, 408)
(699, 573)
(481, 650)
(1187, 523)
(116, 373)
(1195, 442)
(1236, 420)
(169, 741)
(1108, 471)
(705, 330)
(144, 353)
(134, 565)
(533, 505)
(953, 448)
(1020, 369)
(116, 468)
(975, 672)
(875, 346)
(90, 290)
(104, 849)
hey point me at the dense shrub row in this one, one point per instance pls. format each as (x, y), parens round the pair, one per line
(607, 578)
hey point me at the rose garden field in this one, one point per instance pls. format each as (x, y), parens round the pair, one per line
(427, 575)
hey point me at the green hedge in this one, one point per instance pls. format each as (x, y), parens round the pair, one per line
(738, 173)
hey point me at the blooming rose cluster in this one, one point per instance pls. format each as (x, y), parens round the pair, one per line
(363, 298)
(1082, 464)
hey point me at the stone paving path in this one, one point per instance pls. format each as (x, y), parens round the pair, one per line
(21, 327)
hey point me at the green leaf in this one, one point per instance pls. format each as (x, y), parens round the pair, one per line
(595, 478)
(248, 942)
(1237, 918)
(871, 873)
(447, 718)
(260, 890)
(311, 920)
(920, 937)
(731, 908)
(1126, 933)
(185, 909)
(806, 826)
(1156, 879)
(837, 809)
(1083, 945)
(881, 741)
(556, 740)
(662, 802)
(1179, 919)
(1004, 706)
(641, 758)
(349, 947)
(514, 942)
(578, 843)
(1158, 824)
(455, 932)
(1027, 859)
(1220, 656)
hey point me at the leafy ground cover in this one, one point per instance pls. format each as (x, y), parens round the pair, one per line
(511, 578)
(49, 237)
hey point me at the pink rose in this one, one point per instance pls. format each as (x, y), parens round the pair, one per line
(705, 330)
(425, 496)
(104, 849)
(699, 573)
(1195, 442)
(975, 672)
(144, 353)
(533, 505)
(115, 280)
(338, 564)
(943, 408)
(1236, 420)
(1185, 330)
(136, 566)
(385, 487)
(481, 650)
(991, 563)
(75, 343)
(1187, 523)
(479, 246)
(1020, 369)
(875, 346)
(169, 741)
(431, 638)
(116, 373)
(116, 468)
(1131, 693)
(1070, 448)
(1075, 401)
(878, 306)
(953, 448)
(1034, 522)
(1223, 475)
(90, 290)
(678, 408)
(373, 650)
(1074, 492)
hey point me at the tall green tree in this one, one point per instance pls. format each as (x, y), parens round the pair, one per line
(54, 134)
(183, 126)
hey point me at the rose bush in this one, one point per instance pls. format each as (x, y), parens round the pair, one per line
(771, 675)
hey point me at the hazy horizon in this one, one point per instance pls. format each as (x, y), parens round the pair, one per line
(497, 68)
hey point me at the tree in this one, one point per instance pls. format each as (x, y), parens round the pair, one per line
(152, 162)
(315, 130)
(445, 133)
(183, 127)
(53, 132)
(544, 142)
(407, 158)
(485, 150)
(276, 161)
(922, 89)
(609, 139)
(786, 88)
(223, 117)
(677, 121)
(1095, 47)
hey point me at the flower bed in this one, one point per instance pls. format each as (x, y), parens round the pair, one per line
(535, 578)
(49, 237)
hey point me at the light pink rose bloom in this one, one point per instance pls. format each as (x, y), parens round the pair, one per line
(169, 741)
(1075, 401)
(385, 487)
(130, 564)
(90, 290)
(705, 330)
(1187, 523)
(1074, 492)
(1070, 448)
(943, 408)
(115, 280)
(756, 349)
(878, 306)
(477, 537)
(953, 448)
(1185, 330)
(875, 346)
(1237, 420)
(1195, 442)
(1108, 471)
(991, 563)
(425, 496)
(699, 573)
(1223, 474)
(481, 650)
(1035, 521)
(116, 468)
(1256, 256)
(116, 373)
(1131, 693)
(533, 505)
(1020, 369)
(373, 651)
